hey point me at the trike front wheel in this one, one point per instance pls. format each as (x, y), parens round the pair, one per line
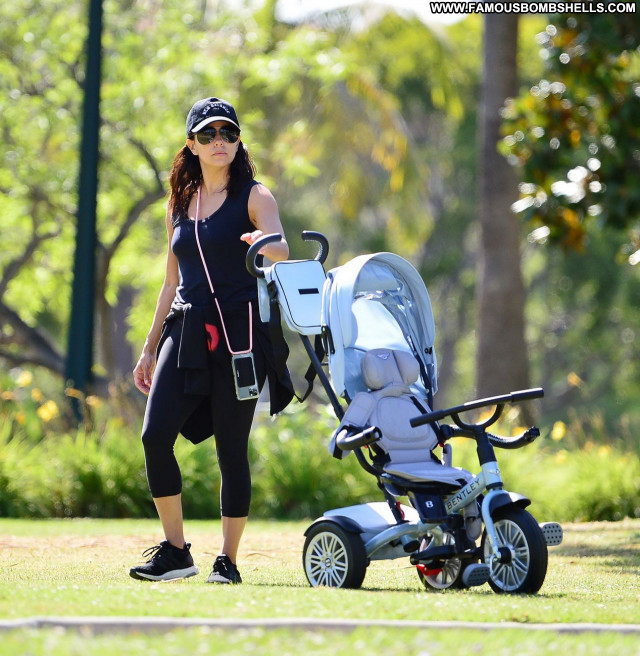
(526, 562)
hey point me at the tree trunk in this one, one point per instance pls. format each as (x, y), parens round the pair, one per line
(501, 363)
(116, 354)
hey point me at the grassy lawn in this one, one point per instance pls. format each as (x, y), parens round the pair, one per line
(80, 567)
(405, 642)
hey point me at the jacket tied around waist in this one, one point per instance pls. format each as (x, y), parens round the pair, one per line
(194, 357)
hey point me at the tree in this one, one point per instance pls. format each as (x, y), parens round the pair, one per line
(575, 133)
(501, 362)
(501, 353)
(433, 75)
(310, 109)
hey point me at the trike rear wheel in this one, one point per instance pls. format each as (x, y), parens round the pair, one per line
(333, 557)
(446, 577)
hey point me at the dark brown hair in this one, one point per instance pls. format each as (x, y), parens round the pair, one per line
(186, 176)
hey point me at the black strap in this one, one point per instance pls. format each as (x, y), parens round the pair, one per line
(318, 347)
(438, 431)
(279, 344)
(425, 377)
(419, 405)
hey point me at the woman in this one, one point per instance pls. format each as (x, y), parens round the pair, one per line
(207, 310)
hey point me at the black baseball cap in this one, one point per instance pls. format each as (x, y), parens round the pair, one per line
(207, 111)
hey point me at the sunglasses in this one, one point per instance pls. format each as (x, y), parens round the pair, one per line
(228, 134)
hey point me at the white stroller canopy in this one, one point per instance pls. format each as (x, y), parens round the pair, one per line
(377, 301)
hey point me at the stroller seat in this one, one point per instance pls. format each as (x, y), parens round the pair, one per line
(390, 404)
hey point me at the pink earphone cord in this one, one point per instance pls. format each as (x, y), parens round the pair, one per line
(206, 270)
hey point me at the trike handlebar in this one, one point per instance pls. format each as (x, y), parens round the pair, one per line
(348, 441)
(515, 442)
(531, 434)
(512, 397)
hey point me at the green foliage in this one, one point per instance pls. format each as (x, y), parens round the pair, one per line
(101, 474)
(575, 133)
(582, 327)
(74, 476)
(294, 476)
(569, 473)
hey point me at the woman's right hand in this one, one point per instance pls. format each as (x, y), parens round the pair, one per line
(143, 372)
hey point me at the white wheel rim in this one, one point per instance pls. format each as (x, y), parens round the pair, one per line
(326, 560)
(447, 577)
(509, 576)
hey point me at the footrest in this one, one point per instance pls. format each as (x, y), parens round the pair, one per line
(431, 553)
(475, 574)
(552, 532)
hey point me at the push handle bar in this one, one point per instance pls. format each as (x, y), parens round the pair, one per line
(307, 235)
(252, 253)
(347, 442)
(512, 397)
(323, 251)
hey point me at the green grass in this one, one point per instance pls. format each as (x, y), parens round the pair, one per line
(258, 642)
(80, 567)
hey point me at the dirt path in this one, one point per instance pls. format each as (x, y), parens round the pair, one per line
(99, 625)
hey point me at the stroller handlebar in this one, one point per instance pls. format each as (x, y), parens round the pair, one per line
(254, 249)
(323, 251)
(512, 397)
(307, 235)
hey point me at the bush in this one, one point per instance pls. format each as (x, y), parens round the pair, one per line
(101, 474)
(88, 474)
(596, 483)
(77, 475)
(295, 476)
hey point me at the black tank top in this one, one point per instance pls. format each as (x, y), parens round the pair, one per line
(224, 253)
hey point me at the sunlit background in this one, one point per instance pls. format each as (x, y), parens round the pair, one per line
(367, 121)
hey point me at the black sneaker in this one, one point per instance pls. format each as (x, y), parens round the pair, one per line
(166, 563)
(224, 571)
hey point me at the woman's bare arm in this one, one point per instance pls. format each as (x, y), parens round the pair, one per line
(263, 212)
(143, 372)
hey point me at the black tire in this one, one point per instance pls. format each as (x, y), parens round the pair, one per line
(451, 575)
(333, 557)
(519, 532)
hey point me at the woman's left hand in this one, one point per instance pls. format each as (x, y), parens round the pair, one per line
(252, 237)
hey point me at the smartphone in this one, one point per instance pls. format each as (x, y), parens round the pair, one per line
(244, 376)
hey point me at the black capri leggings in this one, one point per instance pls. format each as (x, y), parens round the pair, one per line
(168, 407)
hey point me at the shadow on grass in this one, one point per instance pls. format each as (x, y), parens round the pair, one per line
(481, 591)
(612, 556)
(364, 588)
